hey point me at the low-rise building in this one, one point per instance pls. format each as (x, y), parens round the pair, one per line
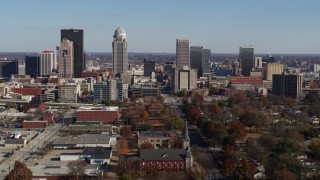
(105, 114)
(91, 127)
(69, 93)
(14, 143)
(94, 155)
(34, 124)
(159, 139)
(145, 91)
(85, 140)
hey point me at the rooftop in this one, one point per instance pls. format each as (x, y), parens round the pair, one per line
(105, 108)
(83, 139)
(163, 154)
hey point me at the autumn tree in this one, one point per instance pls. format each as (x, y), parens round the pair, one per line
(315, 148)
(125, 177)
(216, 132)
(215, 110)
(287, 146)
(122, 146)
(254, 118)
(282, 174)
(76, 168)
(193, 113)
(178, 143)
(237, 130)
(19, 171)
(146, 145)
(126, 131)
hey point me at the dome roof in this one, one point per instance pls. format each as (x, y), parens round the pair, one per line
(119, 32)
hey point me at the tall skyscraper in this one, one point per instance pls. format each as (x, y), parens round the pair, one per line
(149, 67)
(182, 53)
(196, 58)
(32, 66)
(246, 56)
(8, 68)
(119, 52)
(47, 62)
(65, 59)
(206, 64)
(288, 85)
(271, 69)
(76, 36)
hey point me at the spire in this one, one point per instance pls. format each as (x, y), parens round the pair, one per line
(186, 133)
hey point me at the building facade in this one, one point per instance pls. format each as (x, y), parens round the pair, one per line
(119, 51)
(102, 114)
(112, 89)
(182, 53)
(69, 93)
(196, 59)
(271, 69)
(47, 62)
(32, 66)
(149, 67)
(8, 68)
(78, 57)
(206, 64)
(65, 59)
(246, 57)
(185, 78)
(288, 85)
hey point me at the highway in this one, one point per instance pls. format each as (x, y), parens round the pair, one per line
(25, 152)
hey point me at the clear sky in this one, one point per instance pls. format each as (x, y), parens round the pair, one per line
(271, 26)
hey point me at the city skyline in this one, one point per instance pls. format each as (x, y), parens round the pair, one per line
(272, 27)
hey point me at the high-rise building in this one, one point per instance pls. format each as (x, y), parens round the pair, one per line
(288, 85)
(246, 56)
(76, 36)
(32, 66)
(47, 62)
(149, 67)
(65, 59)
(8, 68)
(271, 69)
(112, 89)
(22, 69)
(257, 62)
(206, 64)
(185, 78)
(182, 53)
(196, 58)
(119, 51)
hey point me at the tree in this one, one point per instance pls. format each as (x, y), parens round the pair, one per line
(122, 146)
(146, 145)
(217, 132)
(126, 131)
(160, 99)
(178, 143)
(19, 171)
(267, 141)
(76, 168)
(216, 110)
(193, 113)
(282, 174)
(125, 177)
(287, 146)
(237, 130)
(315, 148)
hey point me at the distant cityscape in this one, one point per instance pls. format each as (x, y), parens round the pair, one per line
(195, 114)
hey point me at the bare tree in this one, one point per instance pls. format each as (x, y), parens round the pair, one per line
(76, 168)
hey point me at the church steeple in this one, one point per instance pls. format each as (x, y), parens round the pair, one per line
(186, 140)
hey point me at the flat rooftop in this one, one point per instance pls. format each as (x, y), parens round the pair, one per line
(83, 139)
(101, 108)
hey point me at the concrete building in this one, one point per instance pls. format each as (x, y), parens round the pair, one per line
(85, 140)
(182, 53)
(47, 62)
(93, 155)
(65, 59)
(246, 57)
(257, 62)
(103, 114)
(119, 51)
(112, 89)
(288, 85)
(185, 78)
(159, 139)
(90, 127)
(271, 69)
(78, 55)
(22, 69)
(145, 91)
(69, 92)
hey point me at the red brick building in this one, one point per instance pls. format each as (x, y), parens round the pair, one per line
(27, 91)
(102, 114)
(245, 80)
(48, 117)
(34, 124)
(90, 74)
(39, 105)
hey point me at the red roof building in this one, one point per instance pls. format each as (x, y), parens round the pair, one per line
(102, 114)
(245, 80)
(27, 91)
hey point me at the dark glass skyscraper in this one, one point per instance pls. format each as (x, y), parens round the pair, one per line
(246, 56)
(287, 85)
(7, 68)
(196, 58)
(206, 65)
(76, 36)
(32, 66)
(149, 67)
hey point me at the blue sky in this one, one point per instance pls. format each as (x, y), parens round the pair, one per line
(271, 26)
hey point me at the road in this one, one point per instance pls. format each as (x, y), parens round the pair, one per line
(199, 141)
(38, 142)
